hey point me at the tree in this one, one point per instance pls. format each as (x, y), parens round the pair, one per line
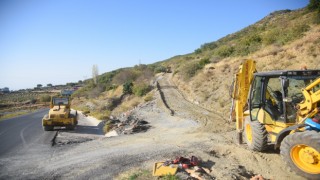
(39, 85)
(95, 73)
(127, 87)
(71, 84)
(314, 5)
(49, 85)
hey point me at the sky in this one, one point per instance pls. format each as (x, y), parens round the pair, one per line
(59, 41)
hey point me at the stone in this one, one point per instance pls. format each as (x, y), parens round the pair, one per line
(113, 133)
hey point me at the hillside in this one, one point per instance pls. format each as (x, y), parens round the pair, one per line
(282, 40)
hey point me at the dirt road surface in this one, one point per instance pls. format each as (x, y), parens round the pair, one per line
(86, 154)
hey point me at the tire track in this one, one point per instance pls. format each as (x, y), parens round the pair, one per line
(183, 108)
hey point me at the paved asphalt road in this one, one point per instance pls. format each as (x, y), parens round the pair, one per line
(19, 133)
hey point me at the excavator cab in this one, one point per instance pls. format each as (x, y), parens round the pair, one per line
(274, 96)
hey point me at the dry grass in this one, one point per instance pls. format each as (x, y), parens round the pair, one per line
(109, 103)
(15, 114)
(210, 87)
(112, 93)
(149, 96)
(129, 103)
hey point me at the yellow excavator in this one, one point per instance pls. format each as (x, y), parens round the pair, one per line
(279, 109)
(60, 114)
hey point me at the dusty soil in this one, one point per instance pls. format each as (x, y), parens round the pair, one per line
(86, 154)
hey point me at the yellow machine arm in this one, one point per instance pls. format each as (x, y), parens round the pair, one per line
(308, 107)
(240, 91)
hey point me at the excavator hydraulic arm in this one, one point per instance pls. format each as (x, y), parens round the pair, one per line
(240, 90)
(308, 107)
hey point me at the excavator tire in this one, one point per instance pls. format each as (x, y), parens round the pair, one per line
(256, 135)
(301, 153)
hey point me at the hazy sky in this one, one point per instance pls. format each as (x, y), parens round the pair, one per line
(58, 41)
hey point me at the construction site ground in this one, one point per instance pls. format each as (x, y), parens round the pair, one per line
(190, 130)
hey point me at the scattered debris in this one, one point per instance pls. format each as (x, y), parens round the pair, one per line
(66, 140)
(127, 124)
(189, 166)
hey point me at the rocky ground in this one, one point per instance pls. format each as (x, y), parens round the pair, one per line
(87, 154)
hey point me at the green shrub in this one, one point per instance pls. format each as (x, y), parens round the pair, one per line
(316, 17)
(33, 100)
(314, 5)
(102, 115)
(203, 62)
(127, 87)
(107, 127)
(107, 78)
(299, 29)
(295, 32)
(209, 46)
(148, 97)
(225, 51)
(105, 115)
(45, 98)
(198, 51)
(284, 36)
(85, 112)
(248, 45)
(170, 177)
(141, 89)
(271, 36)
(111, 87)
(140, 174)
(159, 69)
(251, 39)
(191, 69)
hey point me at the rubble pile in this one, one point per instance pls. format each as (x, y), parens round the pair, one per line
(126, 125)
(184, 168)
